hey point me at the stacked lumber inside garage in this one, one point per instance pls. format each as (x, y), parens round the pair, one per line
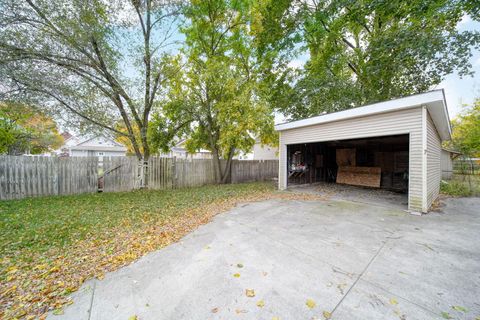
(349, 173)
(359, 176)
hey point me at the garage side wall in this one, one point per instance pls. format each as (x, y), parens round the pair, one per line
(434, 171)
(392, 123)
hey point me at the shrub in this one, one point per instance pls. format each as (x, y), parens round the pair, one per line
(455, 188)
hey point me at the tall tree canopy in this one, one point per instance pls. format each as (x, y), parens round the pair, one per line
(94, 62)
(24, 129)
(216, 98)
(466, 131)
(365, 51)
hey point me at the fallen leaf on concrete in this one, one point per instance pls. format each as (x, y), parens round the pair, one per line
(275, 318)
(446, 315)
(214, 310)
(58, 312)
(237, 275)
(261, 303)
(327, 315)
(460, 308)
(310, 303)
(238, 311)
(239, 265)
(340, 287)
(250, 293)
(133, 318)
(393, 301)
(264, 273)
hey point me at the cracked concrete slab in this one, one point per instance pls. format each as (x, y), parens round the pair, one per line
(356, 260)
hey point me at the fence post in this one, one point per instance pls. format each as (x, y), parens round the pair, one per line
(174, 172)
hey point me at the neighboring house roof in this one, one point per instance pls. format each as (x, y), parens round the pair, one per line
(433, 100)
(451, 151)
(66, 135)
(99, 144)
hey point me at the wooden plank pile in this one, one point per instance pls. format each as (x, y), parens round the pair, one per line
(359, 176)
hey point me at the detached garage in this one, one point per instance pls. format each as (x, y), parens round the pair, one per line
(393, 145)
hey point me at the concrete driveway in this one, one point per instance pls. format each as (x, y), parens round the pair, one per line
(351, 260)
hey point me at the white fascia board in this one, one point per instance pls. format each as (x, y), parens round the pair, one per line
(376, 108)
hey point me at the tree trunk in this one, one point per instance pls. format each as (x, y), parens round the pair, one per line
(228, 167)
(216, 166)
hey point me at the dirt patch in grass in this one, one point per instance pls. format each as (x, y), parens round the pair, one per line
(50, 246)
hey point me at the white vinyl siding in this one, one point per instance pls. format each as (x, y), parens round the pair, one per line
(434, 172)
(446, 164)
(264, 152)
(407, 121)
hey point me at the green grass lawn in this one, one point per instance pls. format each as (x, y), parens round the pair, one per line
(38, 224)
(50, 245)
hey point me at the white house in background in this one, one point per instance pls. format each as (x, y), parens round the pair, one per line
(99, 146)
(446, 162)
(179, 151)
(264, 152)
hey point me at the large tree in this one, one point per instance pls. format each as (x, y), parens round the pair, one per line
(216, 97)
(25, 129)
(360, 52)
(94, 63)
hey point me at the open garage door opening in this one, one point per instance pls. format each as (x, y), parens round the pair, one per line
(378, 162)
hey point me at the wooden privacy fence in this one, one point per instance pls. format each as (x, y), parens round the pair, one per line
(22, 176)
(25, 176)
(253, 170)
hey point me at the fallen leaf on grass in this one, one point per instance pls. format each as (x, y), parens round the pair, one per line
(250, 293)
(58, 312)
(261, 304)
(310, 303)
(460, 309)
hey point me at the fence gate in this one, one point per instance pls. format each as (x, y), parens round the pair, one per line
(119, 174)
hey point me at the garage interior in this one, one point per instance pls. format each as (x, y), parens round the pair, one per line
(378, 162)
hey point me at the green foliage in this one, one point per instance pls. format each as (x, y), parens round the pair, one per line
(455, 188)
(461, 185)
(215, 97)
(466, 131)
(25, 129)
(366, 51)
